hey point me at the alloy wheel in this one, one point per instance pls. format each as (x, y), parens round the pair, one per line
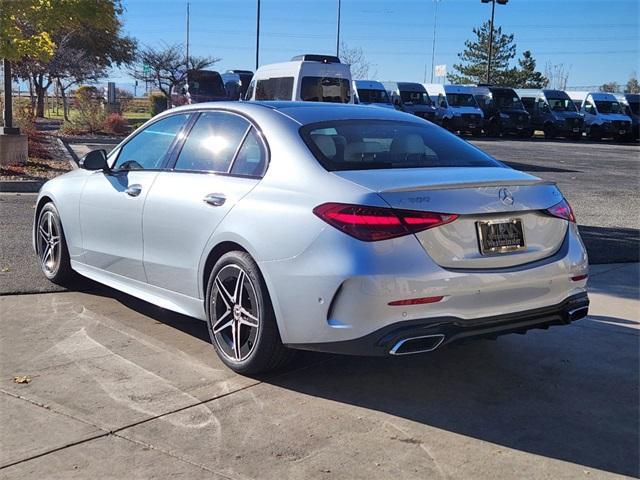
(49, 247)
(235, 313)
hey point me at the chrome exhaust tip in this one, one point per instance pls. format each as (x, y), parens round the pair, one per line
(411, 345)
(577, 313)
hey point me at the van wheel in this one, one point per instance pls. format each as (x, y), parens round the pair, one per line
(595, 133)
(477, 132)
(549, 132)
(51, 246)
(240, 318)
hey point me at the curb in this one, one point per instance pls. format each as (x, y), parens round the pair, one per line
(21, 186)
(71, 156)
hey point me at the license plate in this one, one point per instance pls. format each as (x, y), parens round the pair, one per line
(576, 130)
(520, 127)
(472, 125)
(622, 132)
(500, 236)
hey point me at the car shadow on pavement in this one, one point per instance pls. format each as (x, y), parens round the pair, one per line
(611, 245)
(569, 393)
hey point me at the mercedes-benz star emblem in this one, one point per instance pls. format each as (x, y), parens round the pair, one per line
(505, 196)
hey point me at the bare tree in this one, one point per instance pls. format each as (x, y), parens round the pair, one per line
(557, 74)
(632, 86)
(166, 67)
(361, 68)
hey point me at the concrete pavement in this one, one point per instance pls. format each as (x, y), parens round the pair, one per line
(122, 389)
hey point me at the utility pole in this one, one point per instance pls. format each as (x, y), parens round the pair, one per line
(338, 31)
(258, 35)
(493, 12)
(187, 58)
(8, 128)
(433, 45)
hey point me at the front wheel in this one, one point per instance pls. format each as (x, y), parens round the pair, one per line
(240, 318)
(549, 132)
(51, 246)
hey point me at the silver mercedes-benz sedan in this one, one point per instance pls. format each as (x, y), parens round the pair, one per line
(337, 228)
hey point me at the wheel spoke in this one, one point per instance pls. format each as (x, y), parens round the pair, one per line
(235, 332)
(45, 254)
(221, 324)
(237, 292)
(226, 296)
(55, 240)
(43, 233)
(49, 224)
(248, 319)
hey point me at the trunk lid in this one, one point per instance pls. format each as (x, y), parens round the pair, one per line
(489, 194)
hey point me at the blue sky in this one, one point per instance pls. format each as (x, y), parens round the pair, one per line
(597, 39)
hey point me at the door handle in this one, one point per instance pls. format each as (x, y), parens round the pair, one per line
(133, 190)
(215, 199)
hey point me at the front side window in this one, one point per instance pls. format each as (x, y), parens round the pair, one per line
(279, 88)
(589, 108)
(383, 144)
(212, 142)
(251, 159)
(325, 89)
(149, 148)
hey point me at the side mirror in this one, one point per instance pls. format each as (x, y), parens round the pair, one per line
(95, 160)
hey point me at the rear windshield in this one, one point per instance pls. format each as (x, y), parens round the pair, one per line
(277, 88)
(325, 89)
(373, 96)
(201, 83)
(381, 144)
(506, 99)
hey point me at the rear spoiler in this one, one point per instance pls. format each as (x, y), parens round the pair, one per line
(490, 183)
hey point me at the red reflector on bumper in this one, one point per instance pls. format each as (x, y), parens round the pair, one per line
(579, 277)
(415, 301)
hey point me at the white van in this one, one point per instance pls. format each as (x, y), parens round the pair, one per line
(307, 78)
(370, 92)
(603, 115)
(456, 108)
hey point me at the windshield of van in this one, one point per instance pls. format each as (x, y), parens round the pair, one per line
(384, 144)
(561, 104)
(415, 98)
(373, 96)
(461, 100)
(325, 89)
(607, 107)
(507, 99)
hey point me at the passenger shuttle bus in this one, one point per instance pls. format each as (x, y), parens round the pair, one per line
(604, 116)
(236, 82)
(370, 92)
(412, 98)
(307, 78)
(553, 112)
(631, 104)
(503, 111)
(456, 108)
(199, 86)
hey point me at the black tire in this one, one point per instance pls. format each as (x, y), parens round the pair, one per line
(477, 132)
(53, 255)
(595, 133)
(260, 348)
(549, 132)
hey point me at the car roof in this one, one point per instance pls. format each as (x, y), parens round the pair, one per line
(306, 112)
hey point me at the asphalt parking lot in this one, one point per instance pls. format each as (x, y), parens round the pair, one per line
(122, 389)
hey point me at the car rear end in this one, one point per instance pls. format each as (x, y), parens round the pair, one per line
(437, 242)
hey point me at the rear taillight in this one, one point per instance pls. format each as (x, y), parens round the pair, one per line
(371, 224)
(562, 210)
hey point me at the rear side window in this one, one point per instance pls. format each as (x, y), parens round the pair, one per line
(325, 89)
(382, 144)
(278, 88)
(251, 159)
(150, 147)
(212, 142)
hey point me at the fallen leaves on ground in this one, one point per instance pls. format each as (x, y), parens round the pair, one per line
(21, 379)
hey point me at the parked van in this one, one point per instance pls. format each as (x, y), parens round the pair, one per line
(456, 108)
(631, 104)
(198, 86)
(370, 92)
(603, 115)
(411, 98)
(236, 82)
(503, 111)
(307, 78)
(553, 112)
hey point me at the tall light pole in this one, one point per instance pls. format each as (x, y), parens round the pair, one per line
(338, 31)
(433, 45)
(258, 35)
(493, 12)
(187, 49)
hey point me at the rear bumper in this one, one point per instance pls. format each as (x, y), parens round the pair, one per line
(393, 339)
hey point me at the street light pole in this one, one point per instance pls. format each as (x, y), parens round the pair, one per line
(338, 31)
(493, 12)
(258, 35)
(433, 45)
(187, 49)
